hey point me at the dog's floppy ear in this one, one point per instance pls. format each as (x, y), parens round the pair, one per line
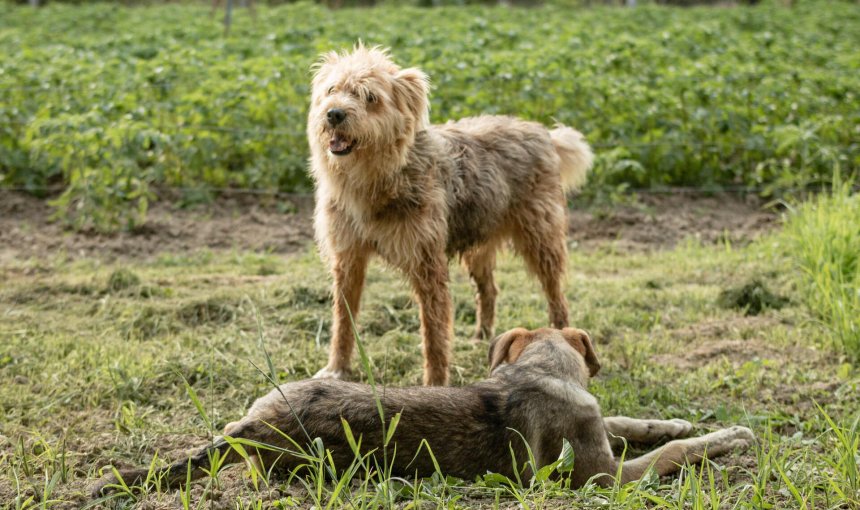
(507, 347)
(579, 340)
(411, 87)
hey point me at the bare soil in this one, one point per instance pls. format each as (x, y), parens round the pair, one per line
(664, 220)
(736, 351)
(733, 340)
(252, 223)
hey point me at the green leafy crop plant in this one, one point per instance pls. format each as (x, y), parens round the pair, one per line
(112, 104)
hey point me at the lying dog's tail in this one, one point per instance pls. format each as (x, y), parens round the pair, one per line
(576, 156)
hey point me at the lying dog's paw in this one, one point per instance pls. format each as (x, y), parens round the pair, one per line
(682, 428)
(109, 483)
(724, 441)
(328, 373)
(104, 486)
(739, 437)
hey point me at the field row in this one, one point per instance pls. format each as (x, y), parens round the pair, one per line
(112, 103)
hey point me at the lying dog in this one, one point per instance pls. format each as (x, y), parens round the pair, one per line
(390, 184)
(535, 397)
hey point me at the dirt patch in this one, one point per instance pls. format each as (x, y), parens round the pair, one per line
(26, 230)
(663, 220)
(736, 351)
(734, 327)
(253, 223)
(732, 340)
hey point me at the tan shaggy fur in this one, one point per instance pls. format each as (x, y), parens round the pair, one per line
(390, 184)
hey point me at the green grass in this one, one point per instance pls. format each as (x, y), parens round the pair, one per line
(114, 362)
(824, 238)
(111, 104)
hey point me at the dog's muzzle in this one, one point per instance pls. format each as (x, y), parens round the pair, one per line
(335, 116)
(339, 145)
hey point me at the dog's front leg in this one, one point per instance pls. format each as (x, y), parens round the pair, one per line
(348, 269)
(670, 457)
(430, 282)
(622, 428)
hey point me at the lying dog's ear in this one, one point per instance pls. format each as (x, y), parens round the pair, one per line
(507, 347)
(579, 340)
(411, 87)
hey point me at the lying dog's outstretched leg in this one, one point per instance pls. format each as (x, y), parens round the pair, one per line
(621, 428)
(173, 475)
(481, 263)
(199, 463)
(589, 439)
(668, 458)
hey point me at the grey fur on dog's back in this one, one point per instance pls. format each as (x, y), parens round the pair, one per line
(450, 420)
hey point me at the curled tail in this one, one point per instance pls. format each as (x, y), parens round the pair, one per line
(576, 156)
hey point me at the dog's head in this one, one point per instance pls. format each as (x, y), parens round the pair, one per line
(509, 346)
(363, 106)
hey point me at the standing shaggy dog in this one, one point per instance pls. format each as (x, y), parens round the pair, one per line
(391, 184)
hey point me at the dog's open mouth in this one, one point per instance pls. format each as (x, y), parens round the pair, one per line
(340, 146)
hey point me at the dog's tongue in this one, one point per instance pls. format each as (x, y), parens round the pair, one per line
(338, 144)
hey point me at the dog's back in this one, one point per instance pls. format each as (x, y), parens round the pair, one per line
(451, 421)
(492, 166)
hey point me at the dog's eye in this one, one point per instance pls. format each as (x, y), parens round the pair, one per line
(330, 91)
(371, 98)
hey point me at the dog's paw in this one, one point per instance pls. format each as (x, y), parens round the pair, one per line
(100, 487)
(681, 428)
(740, 437)
(104, 486)
(328, 373)
(481, 335)
(726, 440)
(109, 483)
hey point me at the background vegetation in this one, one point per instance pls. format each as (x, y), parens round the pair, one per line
(824, 240)
(111, 104)
(123, 358)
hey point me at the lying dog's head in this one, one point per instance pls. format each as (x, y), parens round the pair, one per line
(509, 346)
(365, 107)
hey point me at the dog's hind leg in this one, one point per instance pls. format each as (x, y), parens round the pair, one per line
(481, 262)
(621, 429)
(349, 269)
(191, 468)
(213, 456)
(540, 238)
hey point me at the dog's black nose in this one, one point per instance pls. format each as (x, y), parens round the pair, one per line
(335, 116)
